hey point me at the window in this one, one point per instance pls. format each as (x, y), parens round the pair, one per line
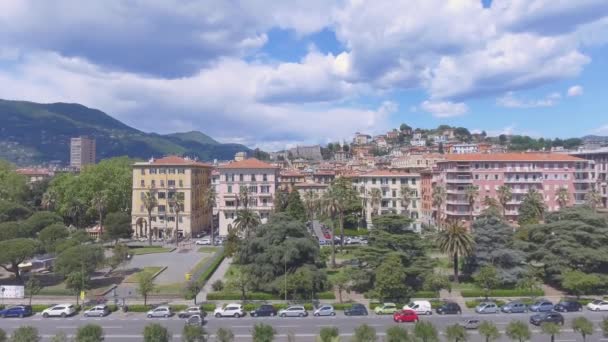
(413, 181)
(161, 195)
(253, 178)
(181, 183)
(394, 193)
(141, 208)
(181, 171)
(394, 181)
(555, 176)
(241, 177)
(143, 183)
(152, 171)
(230, 203)
(394, 204)
(565, 176)
(161, 208)
(142, 195)
(264, 178)
(162, 183)
(486, 177)
(172, 171)
(264, 201)
(413, 204)
(153, 183)
(162, 170)
(143, 171)
(171, 219)
(181, 219)
(171, 182)
(403, 180)
(495, 177)
(229, 189)
(476, 176)
(253, 189)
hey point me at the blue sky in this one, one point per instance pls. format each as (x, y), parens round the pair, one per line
(273, 74)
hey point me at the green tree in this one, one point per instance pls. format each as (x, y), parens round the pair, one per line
(604, 326)
(455, 241)
(392, 223)
(80, 258)
(208, 201)
(331, 207)
(33, 287)
(263, 333)
(232, 242)
(49, 199)
(397, 334)
(438, 197)
(295, 207)
(156, 333)
(504, 196)
(150, 202)
(246, 221)
(583, 326)
(52, 235)
(13, 186)
(177, 205)
(194, 333)
(551, 329)
(145, 285)
(593, 199)
(89, 333)
(436, 282)
(426, 332)
(375, 200)
(117, 226)
(280, 200)
(487, 279)
(120, 256)
(489, 331)
(25, 334)
(78, 282)
(532, 208)
(580, 283)
(562, 196)
(14, 252)
(311, 204)
(342, 282)
(329, 334)
(471, 194)
(11, 211)
(39, 220)
(3, 337)
(365, 333)
(224, 335)
(456, 333)
(99, 204)
(390, 281)
(341, 189)
(518, 331)
(406, 197)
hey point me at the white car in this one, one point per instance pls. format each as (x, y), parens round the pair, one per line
(421, 307)
(598, 305)
(203, 242)
(161, 311)
(97, 311)
(229, 310)
(60, 310)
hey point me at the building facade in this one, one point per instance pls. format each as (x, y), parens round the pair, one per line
(166, 179)
(598, 170)
(260, 179)
(82, 152)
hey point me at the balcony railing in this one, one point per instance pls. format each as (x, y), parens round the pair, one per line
(523, 180)
(459, 180)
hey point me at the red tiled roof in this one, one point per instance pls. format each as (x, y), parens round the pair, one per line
(34, 172)
(386, 173)
(325, 172)
(175, 160)
(251, 163)
(511, 157)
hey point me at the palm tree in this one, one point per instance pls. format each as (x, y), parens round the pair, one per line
(562, 196)
(593, 199)
(244, 196)
(209, 200)
(311, 203)
(489, 330)
(100, 203)
(177, 204)
(518, 331)
(583, 326)
(456, 241)
(456, 333)
(471, 194)
(331, 207)
(536, 201)
(75, 210)
(426, 332)
(491, 203)
(504, 196)
(246, 220)
(375, 200)
(551, 329)
(150, 202)
(49, 199)
(406, 198)
(438, 198)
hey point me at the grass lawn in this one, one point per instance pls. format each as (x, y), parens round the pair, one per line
(149, 250)
(169, 289)
(133, 277)
(207, 249)
(199, 265)
(347, 254)
(465, 286)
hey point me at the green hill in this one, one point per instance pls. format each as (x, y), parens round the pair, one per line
(36, 133)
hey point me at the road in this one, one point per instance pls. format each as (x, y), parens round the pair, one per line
(128, 327)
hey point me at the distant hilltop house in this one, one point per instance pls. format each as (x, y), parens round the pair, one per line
(362, 139)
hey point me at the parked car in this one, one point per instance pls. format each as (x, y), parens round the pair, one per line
(229, 310)
(486, 308)
(16, 311)
(322, 242)
(421, 307)
(514, 307)
(294, 311)
(264, 310)
(203, 242)
(324, 310)
(449, 308)
(356, 310)
(541, 305)
(352, 241)
(568, 306)
(219, 240)
(195, 320)
(469, 323)
(191, 311)
(405, 316)
(386, 309)
(598, 305)
(161, 311)
(97, 311)
(60, 310)
(547, 317)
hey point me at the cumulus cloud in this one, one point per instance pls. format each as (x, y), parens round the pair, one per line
(576, 90)
(444, 109)
(509, 100)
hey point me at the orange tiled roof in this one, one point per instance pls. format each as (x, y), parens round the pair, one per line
(33, 172)
(175, 160)
(511, 157)
(251, 163)
(383, 173)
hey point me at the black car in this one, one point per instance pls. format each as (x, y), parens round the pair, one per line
(356, 310)
(264, 310)
(547, 317)
(449, 308)
(568, 306)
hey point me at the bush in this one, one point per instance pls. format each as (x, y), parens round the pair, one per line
(237, 296)
(178, 307)
(250, 307)
(39, 307)
(209, 307)
(342, 306)
(435, 303)
(202, 279)
(425, 294)
(326, 295)
(139, 308)
(503, 293)
(217, 286)
(372, 306)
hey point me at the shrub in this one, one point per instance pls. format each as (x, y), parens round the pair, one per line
(209, 307)
(237, 296)
(326, 295)
(503, 293)
(355, 232)
(39, 307)
(202, 279)
(425, 294)
(89, 333)
(178, 307)
(342, 306)
(250, 307)
(218, 285)
(139, 308)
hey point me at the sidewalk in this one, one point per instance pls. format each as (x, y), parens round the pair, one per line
(217, 275)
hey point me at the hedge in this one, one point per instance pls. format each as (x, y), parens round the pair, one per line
(473, 303)
(426, 294)
(139, 308)
(209, 307)
(259, 296)
(178, 307)
(39, 307)
(503, 293)
(326, 295)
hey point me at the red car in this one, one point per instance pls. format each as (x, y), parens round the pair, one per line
(405, 316)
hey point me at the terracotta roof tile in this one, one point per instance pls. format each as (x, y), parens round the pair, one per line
(511, 157)
(251, 163)
(175, 160)
(385, 173)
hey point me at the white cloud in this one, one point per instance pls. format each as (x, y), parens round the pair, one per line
(576, 90)
(444, 109)
(601, 130)
(509, 100)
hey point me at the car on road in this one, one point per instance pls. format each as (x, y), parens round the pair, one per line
(60, 310)
(203, 242)
(547, 317)
(486, 308)
(195, 320)
(229, 310)
(541, 305)
(598, 305)
(356, 310)
(514, 307)
(161, 311)
(449, 308)
(191, 311)
(263, 311)
(421, 307)
(405, 316)
(97, 311)
(16, 311)
(294, 311)
(568, 306)
(324, 310)
(469, 323)
(386, 309)
(353, 241)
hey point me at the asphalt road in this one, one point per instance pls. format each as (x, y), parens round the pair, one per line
(129, 326)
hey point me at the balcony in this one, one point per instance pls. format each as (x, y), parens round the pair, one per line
(456, 191)
(524, 180)
(457, 202)
(458, 213)
(467, 180)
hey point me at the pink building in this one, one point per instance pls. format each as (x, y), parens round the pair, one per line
(260, 178)
(545, 172)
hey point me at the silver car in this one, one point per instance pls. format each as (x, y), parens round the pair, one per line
(469, 323)
(161, 311)
(486, 308)
(324, 310)
(293, 311)
(97, 311)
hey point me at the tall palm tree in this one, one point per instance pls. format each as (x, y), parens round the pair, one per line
(331, 206)
(406, 198)
(244, 196)
(209, 200)
(311, 202)
(593, 198)
(375, 200)
(150, 202)
(177, 204)
(536, 201)
(471, 194)
(246, 221)
(75, 211)
(504, 196)
(455, 241)
(562, 196)
(100, 202)
(438, 197)
(49, 199)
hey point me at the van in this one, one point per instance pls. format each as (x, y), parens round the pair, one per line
(421, 307)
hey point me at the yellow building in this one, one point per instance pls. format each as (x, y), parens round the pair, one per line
(168, 178)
